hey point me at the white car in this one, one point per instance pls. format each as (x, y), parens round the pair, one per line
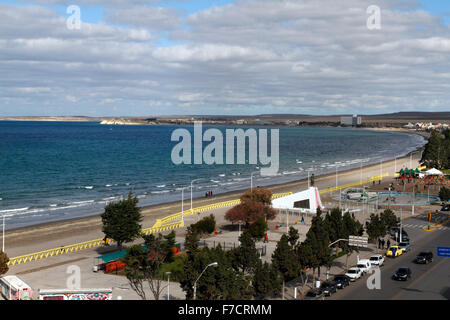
(364, 265)
(377, 260)
(354, 273)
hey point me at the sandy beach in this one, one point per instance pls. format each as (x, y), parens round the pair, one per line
(55, 234)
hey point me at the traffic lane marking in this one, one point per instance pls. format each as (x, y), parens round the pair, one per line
(395, 297)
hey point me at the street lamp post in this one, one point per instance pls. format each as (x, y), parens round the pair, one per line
(168, 284)
(360, 172)
(182, 203)
(395, 165)
(381, 169)
(3, 235)
(214, 264)
(251, 179)
(401, 223)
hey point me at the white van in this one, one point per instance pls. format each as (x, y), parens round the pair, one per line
(364, 265)
(14, 288)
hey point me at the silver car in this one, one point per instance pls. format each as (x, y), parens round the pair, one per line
(405, 246)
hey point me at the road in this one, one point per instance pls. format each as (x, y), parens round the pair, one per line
(428, 282)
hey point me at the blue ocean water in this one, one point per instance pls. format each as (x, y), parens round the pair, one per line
(57, 170)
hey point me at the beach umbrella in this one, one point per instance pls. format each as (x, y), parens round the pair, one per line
(401, 171)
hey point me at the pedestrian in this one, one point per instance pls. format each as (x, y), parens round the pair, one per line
(379, 243)
(382, 243)
(266, 238)
(303, 219)
(388, 244)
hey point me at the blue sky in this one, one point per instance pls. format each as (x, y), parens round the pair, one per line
(178, 57)
(440, 8)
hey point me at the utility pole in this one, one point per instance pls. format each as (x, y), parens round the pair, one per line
(168, 284)
(182, 202)
(3, 234)
(401, 223)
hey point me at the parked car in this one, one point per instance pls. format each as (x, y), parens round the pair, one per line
(405, 246)
(403, 273)
(364, 265)
(424, 257)
(394, 251)
(328, 288)
(376, 260)
(314, 294)
(341, 281)
(354, 273)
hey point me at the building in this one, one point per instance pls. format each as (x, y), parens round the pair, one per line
(353, 121)
(306, 201)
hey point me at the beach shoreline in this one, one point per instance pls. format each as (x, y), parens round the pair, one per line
(96, 211)
(69, 230)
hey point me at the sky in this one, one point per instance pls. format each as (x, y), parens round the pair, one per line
(223, 57)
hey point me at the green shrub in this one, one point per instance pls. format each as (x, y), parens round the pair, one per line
(206, 225)
(258, 229)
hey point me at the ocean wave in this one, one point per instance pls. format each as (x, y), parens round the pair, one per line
(161, 186)
(14, 210)
(159, 192)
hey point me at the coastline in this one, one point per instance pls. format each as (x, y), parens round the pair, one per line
(272, 182)
(73, 230)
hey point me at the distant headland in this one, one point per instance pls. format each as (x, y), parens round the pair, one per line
(405, 120)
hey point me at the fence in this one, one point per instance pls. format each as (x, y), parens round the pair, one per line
(262, 250)
(81, 246)
(161, 225)
(345, 186)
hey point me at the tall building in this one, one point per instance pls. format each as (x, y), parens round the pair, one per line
(353, 121)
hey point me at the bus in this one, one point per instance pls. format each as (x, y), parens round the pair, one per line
(14, 288)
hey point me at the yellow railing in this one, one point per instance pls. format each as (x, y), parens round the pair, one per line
(82, 246)
(374, 178)
(229, 203)
(161, 225)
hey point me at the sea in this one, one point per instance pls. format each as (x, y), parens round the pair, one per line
(51, 171)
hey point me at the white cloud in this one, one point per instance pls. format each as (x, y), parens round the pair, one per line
(251, 56)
